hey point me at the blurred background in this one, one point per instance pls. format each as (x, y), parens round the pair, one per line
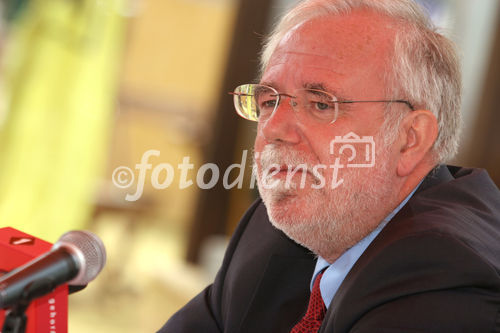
(90, 88)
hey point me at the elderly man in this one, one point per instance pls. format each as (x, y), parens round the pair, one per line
(385, 240)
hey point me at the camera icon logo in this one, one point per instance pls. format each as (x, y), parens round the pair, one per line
(361, 147)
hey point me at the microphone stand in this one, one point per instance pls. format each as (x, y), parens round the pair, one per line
(15, 321)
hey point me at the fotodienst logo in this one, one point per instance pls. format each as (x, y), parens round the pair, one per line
(162, 175)
(356, 151)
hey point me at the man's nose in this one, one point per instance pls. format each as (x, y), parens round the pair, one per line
(282, 126)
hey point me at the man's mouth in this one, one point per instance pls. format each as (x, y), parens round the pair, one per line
(280, 170)
(288, 170)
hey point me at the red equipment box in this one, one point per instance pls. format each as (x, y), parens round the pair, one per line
(47, 314)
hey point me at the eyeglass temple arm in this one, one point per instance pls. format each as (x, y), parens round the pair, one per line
(383, 101)
(343, 102)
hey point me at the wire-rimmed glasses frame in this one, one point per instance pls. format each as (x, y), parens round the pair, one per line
(256, 101)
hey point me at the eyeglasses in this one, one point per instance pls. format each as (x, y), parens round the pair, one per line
(258, 102)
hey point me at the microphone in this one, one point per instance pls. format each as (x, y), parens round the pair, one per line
(76, 258)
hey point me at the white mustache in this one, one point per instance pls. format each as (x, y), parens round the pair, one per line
(273, 157)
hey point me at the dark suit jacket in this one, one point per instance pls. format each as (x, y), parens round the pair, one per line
(434, 268)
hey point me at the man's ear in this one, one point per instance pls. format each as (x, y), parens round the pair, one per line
(419, 132)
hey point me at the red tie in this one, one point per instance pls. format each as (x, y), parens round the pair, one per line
(315, 311)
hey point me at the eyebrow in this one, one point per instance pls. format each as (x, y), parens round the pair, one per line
(308, 85)
(316, 86)
(321, 86)
(269, 84)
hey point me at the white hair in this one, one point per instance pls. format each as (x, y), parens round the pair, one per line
(425, 65)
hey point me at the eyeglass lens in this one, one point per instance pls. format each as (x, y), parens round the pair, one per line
(256, 102)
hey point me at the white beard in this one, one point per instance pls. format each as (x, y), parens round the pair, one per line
(328, 220)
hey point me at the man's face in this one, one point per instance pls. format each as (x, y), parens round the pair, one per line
(345, 56)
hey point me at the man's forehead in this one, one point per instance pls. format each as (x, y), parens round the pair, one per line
(355, 36)
(307, 70)
(308, 60)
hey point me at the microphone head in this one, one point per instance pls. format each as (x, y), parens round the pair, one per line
(88, 251)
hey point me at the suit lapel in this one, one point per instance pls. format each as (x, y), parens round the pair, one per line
(281, 297)
(342, 303)
(270, 279)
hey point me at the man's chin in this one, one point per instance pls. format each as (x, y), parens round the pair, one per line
(286, 207)
(296, 222)
(284, 216)
(289, 201)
